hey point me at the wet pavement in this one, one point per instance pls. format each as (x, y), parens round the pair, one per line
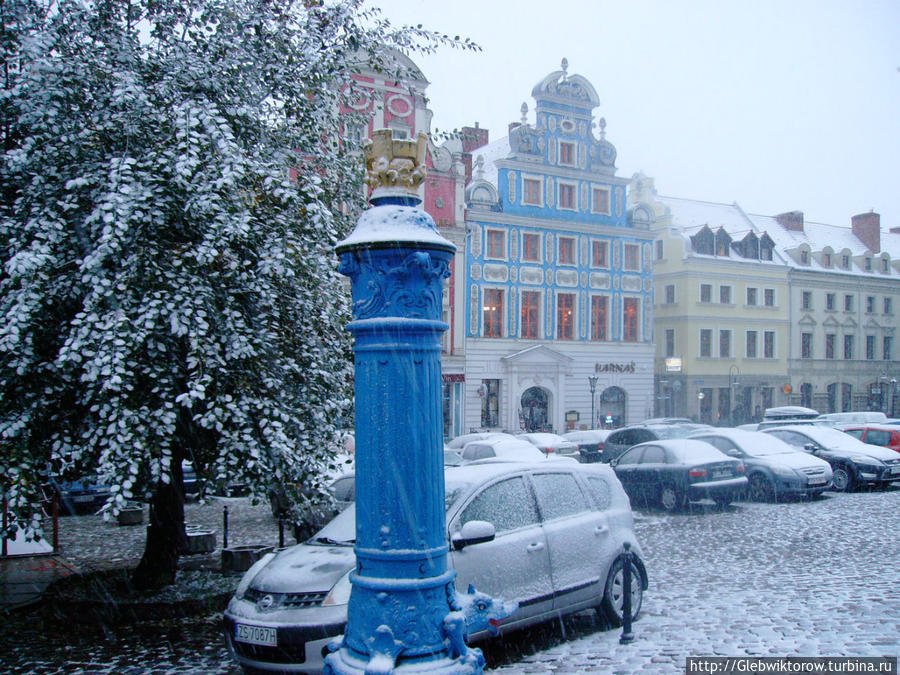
(816, 578)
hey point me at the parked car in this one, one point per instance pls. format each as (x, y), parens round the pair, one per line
(773, 468)
(885, 435)
(853, 462)
(590, 443)
(621, 439)
(677, 471)
(192, 484)
(458, 442)
(551, 444)
(789, 412)
(557, 552)
(507, 449)
(859, 417)
(81, 495)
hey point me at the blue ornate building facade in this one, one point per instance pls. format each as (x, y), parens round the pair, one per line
(558, 276)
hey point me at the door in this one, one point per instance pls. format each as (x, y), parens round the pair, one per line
(650, 473)
(577, 535)
(516, 564)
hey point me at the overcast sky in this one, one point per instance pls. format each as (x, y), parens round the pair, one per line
(777, 105)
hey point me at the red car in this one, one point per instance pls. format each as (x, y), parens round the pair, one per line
(885, 435)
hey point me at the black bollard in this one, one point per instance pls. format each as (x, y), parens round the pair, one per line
(225, 526)
(627, 634)
(281, 533)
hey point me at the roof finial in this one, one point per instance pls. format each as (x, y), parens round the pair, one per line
(565, 66)
(524, 111)
(479, 167)
(602, 125)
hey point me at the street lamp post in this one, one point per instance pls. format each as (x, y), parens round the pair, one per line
(733, 373)
(592, 383)
(404, 614)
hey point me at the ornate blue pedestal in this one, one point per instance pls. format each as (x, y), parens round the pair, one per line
(403, 614)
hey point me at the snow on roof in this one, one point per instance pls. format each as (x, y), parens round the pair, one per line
(689, 216)
(491, 152)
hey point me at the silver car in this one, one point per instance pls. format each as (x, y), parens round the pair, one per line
(551, 444)
(550, 536)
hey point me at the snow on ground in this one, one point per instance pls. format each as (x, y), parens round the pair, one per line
(817, 578)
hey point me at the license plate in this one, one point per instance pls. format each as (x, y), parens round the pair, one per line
(817, 480)
(895, 469)
(83, 499)
(721, 474)
(256, 635)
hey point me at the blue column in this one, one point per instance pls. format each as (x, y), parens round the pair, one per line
(403, 591)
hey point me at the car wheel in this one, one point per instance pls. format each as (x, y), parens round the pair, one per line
(613, 595)
(760, 488)
(670, 498)
(842, 479)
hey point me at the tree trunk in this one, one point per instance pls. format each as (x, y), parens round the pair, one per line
(166, 536)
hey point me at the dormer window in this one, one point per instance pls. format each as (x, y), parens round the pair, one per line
(885, 265)
(804, 257)
(766, 246)
(845, 262)
(723, 242)
(868, 264)
(704, 241)
(826, 260)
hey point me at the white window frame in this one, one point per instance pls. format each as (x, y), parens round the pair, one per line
(608, 192)
(637, 257)
(574, 147)
(560, 184)
(504, 235)
(540, 181)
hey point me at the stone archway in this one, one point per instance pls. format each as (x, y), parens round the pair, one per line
(535, 409)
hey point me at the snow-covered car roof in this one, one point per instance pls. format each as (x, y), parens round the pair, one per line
(689, 450)
(835, 439)
(542, 437)
(755, 443)
(588, 435)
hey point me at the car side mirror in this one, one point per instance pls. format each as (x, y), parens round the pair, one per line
(811, 447)
(614, 462)
(473, 532)
(733, 452)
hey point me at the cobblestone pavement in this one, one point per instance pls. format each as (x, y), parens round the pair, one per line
(816, 578)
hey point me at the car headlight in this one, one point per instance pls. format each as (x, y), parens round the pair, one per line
(871, 461)
(250, 574)
(340, 592)
(785, 471)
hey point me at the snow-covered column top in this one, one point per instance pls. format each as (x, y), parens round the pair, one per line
(395, 170)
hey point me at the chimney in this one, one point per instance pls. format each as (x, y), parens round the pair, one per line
(792, 220)
(474, 138)
(867, 228)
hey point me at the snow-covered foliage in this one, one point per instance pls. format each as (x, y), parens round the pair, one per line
(173, 182)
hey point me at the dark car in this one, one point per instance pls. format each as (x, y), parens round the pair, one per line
(853, 462)
(81, 495)
(590, 443)
(774, 469)
(621, 439)
(675, 472)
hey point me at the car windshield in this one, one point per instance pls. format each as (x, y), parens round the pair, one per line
(341, 530)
